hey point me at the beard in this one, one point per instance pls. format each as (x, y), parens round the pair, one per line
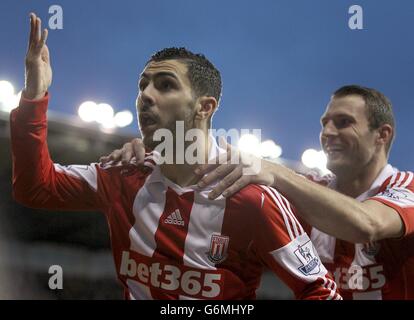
(171, 126)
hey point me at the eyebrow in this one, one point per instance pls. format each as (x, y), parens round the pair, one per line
(336, 116)
(160, 74)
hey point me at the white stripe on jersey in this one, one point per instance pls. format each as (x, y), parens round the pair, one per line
(408, 181)
(290, 211)
(400, 180)
(82, 172)
(325, 245)
(392, 179)
(206, 219)
(331, 287)
(360, 258)
(148, 207)
(283, 212)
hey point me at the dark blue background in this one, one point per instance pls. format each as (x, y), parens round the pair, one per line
(280, 60)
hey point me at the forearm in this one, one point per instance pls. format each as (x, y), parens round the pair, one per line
(37, 181)
(28, 142)
(326, 209)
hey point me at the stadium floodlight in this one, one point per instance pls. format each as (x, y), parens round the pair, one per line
(269, 149)
(87, 111)
(105, 115)
(310, 158)
(314, 159)
(8, 100)
(123, 118)
(249, 143)
(6, 90)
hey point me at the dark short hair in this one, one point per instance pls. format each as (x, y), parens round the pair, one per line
(378, 107)
(204, 77)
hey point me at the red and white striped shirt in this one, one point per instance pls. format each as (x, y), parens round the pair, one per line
(379, 270)
(170, 242)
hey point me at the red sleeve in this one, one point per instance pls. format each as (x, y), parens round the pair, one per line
(398, 193)
(37, 181)
(284, 247)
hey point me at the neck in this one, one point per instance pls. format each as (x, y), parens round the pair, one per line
(183, 174)
(355, 184)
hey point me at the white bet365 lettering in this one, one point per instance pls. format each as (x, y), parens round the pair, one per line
(377, 277)
(360, 278)
(214, 287)
(171, 278)
(190, 282)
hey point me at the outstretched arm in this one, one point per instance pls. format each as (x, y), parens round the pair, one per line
(321, 207)
(37, 181)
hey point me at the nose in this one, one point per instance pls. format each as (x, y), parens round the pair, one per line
(329, 129)
(146, 98)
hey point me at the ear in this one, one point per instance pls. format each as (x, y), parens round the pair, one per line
(385, 134)
(206, 106)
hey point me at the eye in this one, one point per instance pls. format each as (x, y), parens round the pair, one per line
(343, 122)
(142, 85)
(166, 85)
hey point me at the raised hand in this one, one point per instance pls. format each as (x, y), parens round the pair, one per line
(38, 69)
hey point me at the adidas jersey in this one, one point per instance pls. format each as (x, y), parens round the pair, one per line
(379, 270)
(170, 242)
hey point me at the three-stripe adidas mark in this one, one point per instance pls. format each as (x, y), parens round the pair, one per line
(175, 218)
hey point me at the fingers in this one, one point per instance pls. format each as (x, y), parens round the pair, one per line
(223, 144)
(139, 150)
(126, 154)
(235, 187)
(220, 172)
(44, 37)
(114, 156)
(37, 38)
(227, 182)
(205, 168)
(32, 28)
(38, 27)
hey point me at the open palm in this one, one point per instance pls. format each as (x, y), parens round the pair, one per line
(38, 69)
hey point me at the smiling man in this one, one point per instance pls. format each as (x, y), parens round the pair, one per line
(363, 231)
(169, 240)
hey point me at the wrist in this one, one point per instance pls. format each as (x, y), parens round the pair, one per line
(30, 95)
(280, 174)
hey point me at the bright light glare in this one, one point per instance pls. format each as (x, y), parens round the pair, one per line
(8, 100)
(123, 118)
(87, 111)
(250, 144)
(105, 114)
(269, 149)
(6, 90)
(315, 159)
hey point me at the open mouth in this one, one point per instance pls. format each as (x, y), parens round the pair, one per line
(146, 120)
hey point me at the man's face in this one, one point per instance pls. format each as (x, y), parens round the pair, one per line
(345, 137)
(165, 96)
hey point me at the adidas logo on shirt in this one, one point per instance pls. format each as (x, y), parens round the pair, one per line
(175, 218)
